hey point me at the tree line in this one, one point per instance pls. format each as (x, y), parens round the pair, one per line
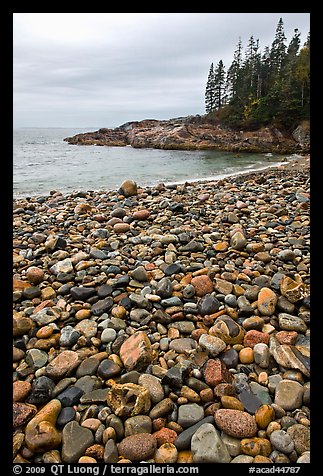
(262, 88)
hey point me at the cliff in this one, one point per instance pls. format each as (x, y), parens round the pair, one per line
(193, 133)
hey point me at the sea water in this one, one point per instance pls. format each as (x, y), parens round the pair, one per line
(43, 162)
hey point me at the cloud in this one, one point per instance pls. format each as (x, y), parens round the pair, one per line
(110, 68)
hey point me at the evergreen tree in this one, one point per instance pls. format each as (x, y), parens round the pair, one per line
(233, 84)
(210, 91)
(219, 83)
(272, 87)
(278, 50)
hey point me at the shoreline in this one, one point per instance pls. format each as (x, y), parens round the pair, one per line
(291, 163)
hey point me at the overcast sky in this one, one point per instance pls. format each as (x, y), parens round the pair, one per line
(103, 69)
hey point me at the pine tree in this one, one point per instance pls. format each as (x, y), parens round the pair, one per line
(233, 83)
(219, 82)
(210, 91)
(278, 50)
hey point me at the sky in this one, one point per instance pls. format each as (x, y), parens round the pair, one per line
(92, 70)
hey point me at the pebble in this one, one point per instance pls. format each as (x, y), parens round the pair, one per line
(138, 447)
(239, 424)
(145, 311)
(208, 447)
(75, 440)
(282, 441)
(166, 453)
(289, 394)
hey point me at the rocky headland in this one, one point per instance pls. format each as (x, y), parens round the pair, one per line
(164, 324)
(196, 133)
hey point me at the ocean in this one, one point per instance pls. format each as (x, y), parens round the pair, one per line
(43, 162)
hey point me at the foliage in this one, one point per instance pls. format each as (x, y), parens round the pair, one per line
(261, 88)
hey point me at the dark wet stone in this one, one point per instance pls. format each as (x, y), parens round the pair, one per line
(41, 390)
(104, 291)
(31, 292)
(67, 414)
(108, 369)
(71, 396)
(250, 401)
(183, 441)
(230, 358)
(164, 288)
(208, 305)
(102, 306)
(81, 293)
(172, 269)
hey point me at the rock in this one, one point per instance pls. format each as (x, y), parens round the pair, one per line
(21, 390)
(254, 337)
(128, 188)
(211, 344)
(238, 241)
(129, 399)
(21, 325)
(261, 355)
(153, 385)
(111, 454)
(256, 446)
(287, 322)
(45, 316)
(222, 286)
(137, 424)
(138, 447)
(121, 227)
(267, 300)
(69, 336)
(289, 394)
(164, 288)
(228, 401)
(293, 290)
(62, 365)
(135, 352)
(282, 441)
(215, 372)
(35, 275)
(81, 293)
(287, 356)
(166, 453)
(102, 306)
(41, 434)
(264, 415)
(250, 401)
(141, 214)
(108, 369)
(208, 304)
(71, 396)
(236, 423)
(41, 390)
(165, 435)
(228, 330)
(246, 355)
(202, 285)
(183, 440)
(22, 413)
(300, 436)
(208, 447)
(64, 266)
(36, 358)
(189, 414)
(75, 440)
(162, 408)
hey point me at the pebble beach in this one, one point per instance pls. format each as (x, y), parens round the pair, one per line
(165, 324)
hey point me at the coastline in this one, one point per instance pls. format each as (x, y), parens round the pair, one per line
(164, 308)
(295, 161)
